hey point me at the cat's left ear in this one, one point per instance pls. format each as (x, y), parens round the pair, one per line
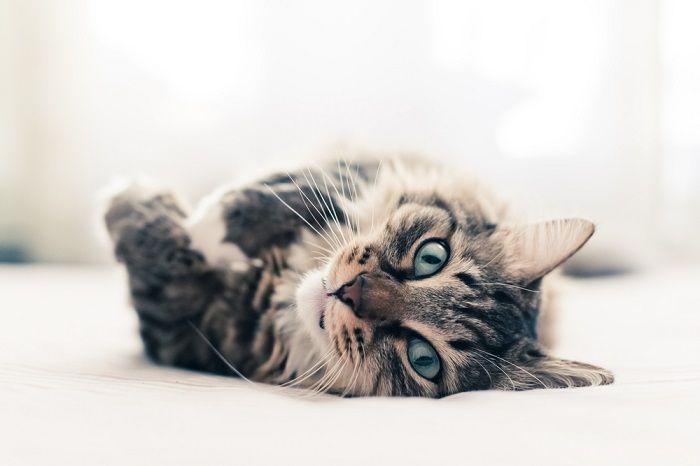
(545, 371)
(532, 251)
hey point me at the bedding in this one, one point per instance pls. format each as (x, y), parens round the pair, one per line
(76, 389)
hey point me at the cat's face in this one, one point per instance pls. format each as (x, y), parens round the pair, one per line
(430, 304)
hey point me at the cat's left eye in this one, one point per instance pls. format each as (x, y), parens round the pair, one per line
(423, 358)
(430, 258)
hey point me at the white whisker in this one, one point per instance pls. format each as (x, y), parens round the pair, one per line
(313, 190)
(315, 389)
(330, 212)
(374, 192)
(353, 379)
(297, 213)
(303, 195)
(499, 368)
(314, 245)
(354, 200)
(221, 356)
(508, 284)
(497, 256)
(325, 183)
(487, 372)
(341, 177)
(309, 372)
(341, 199)
(514, 365)
(332, 382)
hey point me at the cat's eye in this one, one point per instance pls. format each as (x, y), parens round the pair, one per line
(430, 258)
(423, 358)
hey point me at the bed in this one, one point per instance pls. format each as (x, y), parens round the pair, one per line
(76, 389)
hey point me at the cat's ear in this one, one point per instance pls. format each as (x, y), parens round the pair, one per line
(534, 250)
(544, 371)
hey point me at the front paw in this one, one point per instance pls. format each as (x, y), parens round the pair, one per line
(145, 225)
(135, 201)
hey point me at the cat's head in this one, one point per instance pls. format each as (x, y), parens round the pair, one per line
(435, 302)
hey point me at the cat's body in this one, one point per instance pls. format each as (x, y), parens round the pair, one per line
(393, 278)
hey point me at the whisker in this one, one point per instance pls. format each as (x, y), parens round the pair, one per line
(314, 245)
(499, 368)
(326, 178)
(318, 387)
(353, 379)
(374, 189)
(361, 347)
(514, 365)
(309, 372)
(345, 198)
(357, 196)
(297, 213)
(313, 190)
(282, 387)
(354, 188)
(333, 375)
(336, 363)
(508, 284)
(221, 356)
(303, 195)
(330, 212)
(497, 256)
(487, 372)
(340, 177)
(338, 373)
(342, 199)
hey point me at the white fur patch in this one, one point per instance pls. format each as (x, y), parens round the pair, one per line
(207, 231)
(311, 300)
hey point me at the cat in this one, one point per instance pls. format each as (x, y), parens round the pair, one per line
(394, 277)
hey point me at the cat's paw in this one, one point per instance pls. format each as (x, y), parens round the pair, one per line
(133, 201)
(145, 225)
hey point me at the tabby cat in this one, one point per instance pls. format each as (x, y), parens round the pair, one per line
(390, 278)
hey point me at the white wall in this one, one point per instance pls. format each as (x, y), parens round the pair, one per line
(569, 107)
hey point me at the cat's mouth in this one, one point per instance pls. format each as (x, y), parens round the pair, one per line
(323, 300)
(324, 304)
(314, 302)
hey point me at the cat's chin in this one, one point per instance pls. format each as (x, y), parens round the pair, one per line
(311, 304)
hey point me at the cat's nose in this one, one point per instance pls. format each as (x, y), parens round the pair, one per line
(374, 296)
(351, 293)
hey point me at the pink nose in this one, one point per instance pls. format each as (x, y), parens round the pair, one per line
(351, 293)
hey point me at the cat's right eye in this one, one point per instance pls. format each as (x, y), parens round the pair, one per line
(430, 258)
(423, 358)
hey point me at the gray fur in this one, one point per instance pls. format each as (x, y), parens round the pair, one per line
(483, 307)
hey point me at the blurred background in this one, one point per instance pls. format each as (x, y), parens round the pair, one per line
(587, 107)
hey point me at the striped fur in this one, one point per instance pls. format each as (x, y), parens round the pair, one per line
(259, 290)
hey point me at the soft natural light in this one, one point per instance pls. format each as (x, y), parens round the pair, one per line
(200, 51)
(555, 81)
(577, 107)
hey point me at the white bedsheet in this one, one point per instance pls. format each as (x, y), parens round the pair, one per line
(75, 389)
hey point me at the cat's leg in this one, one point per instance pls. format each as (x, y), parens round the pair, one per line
(174, 290)
(273, 212)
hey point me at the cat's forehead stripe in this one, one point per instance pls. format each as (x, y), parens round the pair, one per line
(413, 223)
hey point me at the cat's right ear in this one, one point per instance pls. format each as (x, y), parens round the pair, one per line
(532, 251)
